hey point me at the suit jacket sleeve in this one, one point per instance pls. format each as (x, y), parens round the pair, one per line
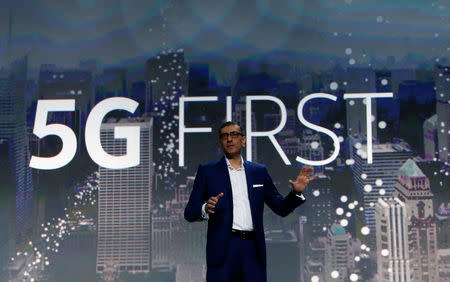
(281, 206)
(193, 210)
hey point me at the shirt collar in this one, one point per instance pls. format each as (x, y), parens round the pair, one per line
(231, 167)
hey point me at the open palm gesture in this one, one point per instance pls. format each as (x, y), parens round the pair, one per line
(303, 179)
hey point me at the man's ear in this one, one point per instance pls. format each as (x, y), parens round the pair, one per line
(244, 140)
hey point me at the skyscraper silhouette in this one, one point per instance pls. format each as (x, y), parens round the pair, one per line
(124, 205)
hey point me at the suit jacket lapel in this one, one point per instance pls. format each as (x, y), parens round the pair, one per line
(225, 179)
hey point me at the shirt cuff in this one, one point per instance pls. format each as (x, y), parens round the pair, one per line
(300, 195)
(205, 215)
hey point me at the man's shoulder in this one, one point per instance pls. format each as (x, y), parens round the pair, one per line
(220, 161)
(254, 165)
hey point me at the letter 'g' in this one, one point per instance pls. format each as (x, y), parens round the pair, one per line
(130, 133)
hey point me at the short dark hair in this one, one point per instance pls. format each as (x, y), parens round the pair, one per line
(228, 123)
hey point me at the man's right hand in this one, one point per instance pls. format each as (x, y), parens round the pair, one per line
(211, 203)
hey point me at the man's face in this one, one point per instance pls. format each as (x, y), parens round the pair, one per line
(231, 140)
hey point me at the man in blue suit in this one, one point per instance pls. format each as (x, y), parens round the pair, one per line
(230, 193)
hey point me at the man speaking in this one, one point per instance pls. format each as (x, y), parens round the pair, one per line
(230, 193)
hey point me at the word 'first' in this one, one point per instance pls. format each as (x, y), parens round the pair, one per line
(271, 133)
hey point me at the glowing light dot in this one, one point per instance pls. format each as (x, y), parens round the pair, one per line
(349, 161)
(382, 124)
(334, 85)
(365, 230)
(343, 222)
(382, 192)
(314, 145)
(363, 247)
(358, 145)
(353, 277)
(351, 102)
(357, 258)
(384, 81)
(334, 274)
(337, 125)
(341, 139)
(348, 214)
(344, 198)
(348, 51)
(379, 182)
(351, 61)
(339, 211)
(316, 193)
(314, 278)
(384, 252)
(351, 206)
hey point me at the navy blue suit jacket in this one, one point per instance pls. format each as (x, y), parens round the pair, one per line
(212, 179)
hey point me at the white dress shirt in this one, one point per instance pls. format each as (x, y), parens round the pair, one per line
(242, 216)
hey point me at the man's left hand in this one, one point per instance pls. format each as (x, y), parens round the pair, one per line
(303, 179)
